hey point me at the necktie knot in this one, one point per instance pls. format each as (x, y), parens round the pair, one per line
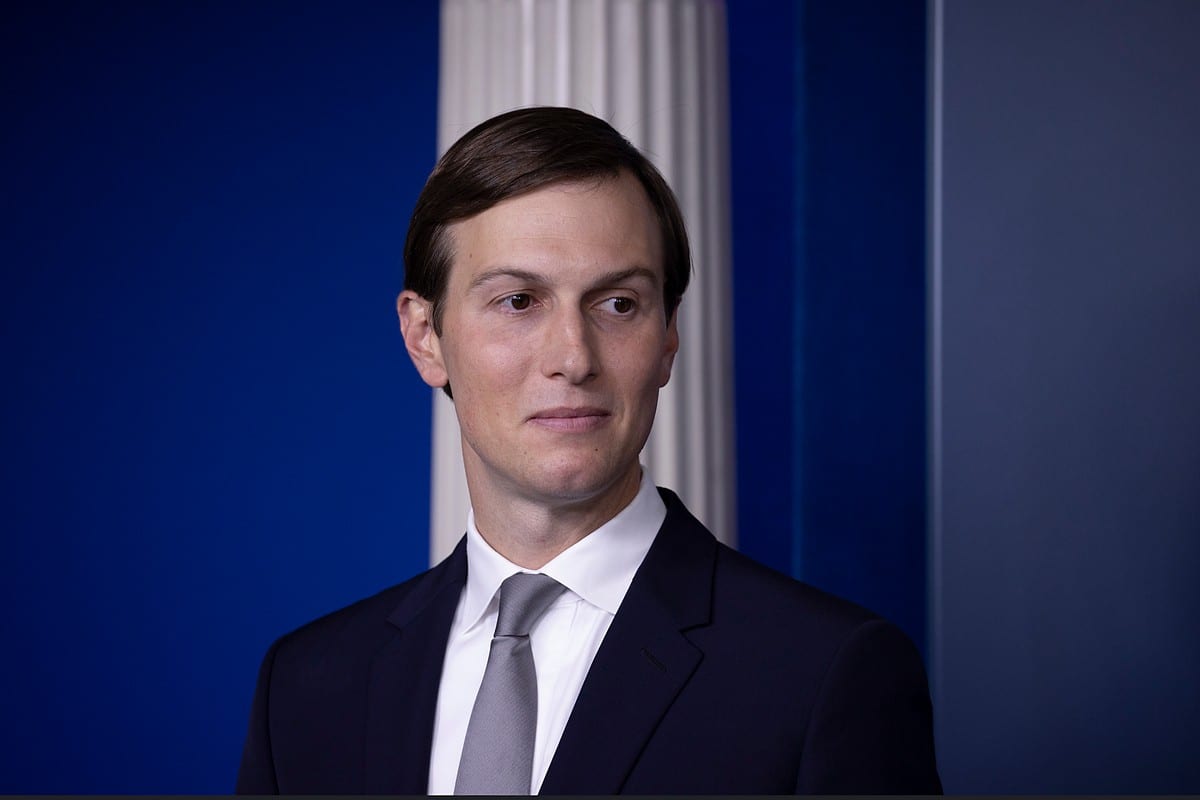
(524, 597)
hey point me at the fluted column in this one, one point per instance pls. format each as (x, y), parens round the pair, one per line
(656, 70)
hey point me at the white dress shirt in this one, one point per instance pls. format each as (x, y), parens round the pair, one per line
(597, 571)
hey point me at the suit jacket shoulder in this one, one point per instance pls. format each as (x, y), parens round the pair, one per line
(348, 631)
(851, 684)
(345, 704)
(734, 678)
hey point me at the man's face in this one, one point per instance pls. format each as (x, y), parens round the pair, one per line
(555, 341)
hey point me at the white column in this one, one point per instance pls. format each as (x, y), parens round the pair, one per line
(657, 71)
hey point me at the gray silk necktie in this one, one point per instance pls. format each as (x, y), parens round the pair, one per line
(497, 756)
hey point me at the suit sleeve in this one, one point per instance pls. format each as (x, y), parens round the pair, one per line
(257, 772)
(872, 726)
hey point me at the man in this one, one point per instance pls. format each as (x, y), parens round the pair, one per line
(545, 261)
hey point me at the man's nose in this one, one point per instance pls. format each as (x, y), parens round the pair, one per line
(569, 347)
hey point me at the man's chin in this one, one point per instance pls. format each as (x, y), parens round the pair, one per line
(583, 487)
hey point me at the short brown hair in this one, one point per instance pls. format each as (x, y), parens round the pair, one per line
(520, 151)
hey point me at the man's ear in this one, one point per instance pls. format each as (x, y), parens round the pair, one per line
(671, 347)
(422, 342)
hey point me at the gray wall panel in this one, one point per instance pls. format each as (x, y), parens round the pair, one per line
(1066, 634)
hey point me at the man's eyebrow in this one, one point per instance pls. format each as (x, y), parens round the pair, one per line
(525, 276)
(626, 274)
(522, 275)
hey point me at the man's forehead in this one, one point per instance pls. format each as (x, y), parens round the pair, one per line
(609, 220)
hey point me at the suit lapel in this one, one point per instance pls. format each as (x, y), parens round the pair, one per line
(405, 675)
(643, 663)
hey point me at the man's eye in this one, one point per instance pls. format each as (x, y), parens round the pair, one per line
(622, 305)
(518, 302)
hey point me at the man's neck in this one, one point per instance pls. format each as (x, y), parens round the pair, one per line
(530, 532)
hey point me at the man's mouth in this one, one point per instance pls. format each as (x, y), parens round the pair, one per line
(570, 419)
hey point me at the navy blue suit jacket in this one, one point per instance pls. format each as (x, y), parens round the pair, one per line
(717, 675)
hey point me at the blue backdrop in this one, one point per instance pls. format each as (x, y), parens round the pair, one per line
(828, 131)
(211, 432)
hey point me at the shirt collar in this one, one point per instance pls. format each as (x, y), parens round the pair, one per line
(597, 568)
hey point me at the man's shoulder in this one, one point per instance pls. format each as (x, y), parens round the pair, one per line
(745, 583)
(751, 584)
(757, 609)
(362, 624)
(753, 605)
